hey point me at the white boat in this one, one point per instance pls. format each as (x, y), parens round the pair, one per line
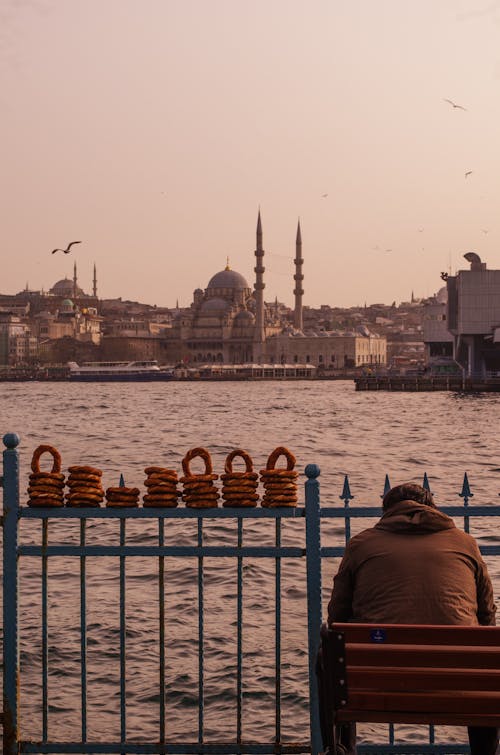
(145, 370)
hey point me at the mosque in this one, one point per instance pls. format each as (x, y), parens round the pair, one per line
(229, 323)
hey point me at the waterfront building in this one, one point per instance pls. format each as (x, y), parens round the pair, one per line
(473, 315)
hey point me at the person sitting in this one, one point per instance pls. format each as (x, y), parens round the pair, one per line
(413, 567)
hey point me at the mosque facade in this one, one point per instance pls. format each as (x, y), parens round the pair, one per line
(230, 323)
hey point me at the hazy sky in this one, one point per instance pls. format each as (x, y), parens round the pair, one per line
(152, 131)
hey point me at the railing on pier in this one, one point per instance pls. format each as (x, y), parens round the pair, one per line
(310, 514)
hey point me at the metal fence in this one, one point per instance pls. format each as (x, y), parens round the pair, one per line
(312, 516)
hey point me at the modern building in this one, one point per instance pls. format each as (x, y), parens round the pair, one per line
(473, 316)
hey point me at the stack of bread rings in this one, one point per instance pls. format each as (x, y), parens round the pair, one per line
(85, 488)
(279, 484)
(199, 491)
(239, 489)
(122, 497)
(46, 488)
(161, 484)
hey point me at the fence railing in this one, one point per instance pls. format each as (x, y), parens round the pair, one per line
(159, 553)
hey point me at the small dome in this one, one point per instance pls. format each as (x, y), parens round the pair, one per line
(244, 318)
(66, 287)
(215, 305)
(66, 303)
(228, 279)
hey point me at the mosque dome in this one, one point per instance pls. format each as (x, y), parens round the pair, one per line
(215, 305)
(228, 279)
(244, 318)
(66, 287)
(442, 295)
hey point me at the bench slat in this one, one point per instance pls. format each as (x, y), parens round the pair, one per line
(407, 717)
(427, 702)
(406, 678)
(421, 655)
(429, 634)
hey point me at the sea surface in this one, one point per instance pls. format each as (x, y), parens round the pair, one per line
(123, 428)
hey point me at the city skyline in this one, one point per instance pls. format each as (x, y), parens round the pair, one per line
(153, 132)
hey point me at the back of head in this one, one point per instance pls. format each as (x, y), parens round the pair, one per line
(408, 491)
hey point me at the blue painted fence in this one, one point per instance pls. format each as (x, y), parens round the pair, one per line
(310, 513)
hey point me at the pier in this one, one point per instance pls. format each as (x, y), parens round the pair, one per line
(413, 383)
(311, 546)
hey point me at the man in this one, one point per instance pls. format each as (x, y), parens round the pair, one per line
(414, 567)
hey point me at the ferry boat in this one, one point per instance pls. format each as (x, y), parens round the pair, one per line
(146, 370)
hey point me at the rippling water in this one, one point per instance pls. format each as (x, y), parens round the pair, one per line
(124, 428)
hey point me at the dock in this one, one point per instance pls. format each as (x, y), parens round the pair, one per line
(416, 383)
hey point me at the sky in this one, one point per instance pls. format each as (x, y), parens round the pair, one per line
(153, 131)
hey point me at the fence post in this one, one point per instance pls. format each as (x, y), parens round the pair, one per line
(10, 598)
(314, 613)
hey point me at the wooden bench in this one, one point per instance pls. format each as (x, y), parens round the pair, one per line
(415, 674)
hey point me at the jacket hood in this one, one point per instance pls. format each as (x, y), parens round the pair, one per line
(414, 518)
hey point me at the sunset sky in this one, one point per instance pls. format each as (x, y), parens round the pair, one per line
(153, 130)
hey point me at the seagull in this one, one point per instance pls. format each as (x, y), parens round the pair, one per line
(485, 230)
(469, 172)
(66, 251)
(324, 195)
(454, 104)
(444, 276)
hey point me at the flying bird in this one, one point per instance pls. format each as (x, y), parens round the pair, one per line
(324, 195)
(66, 251)
(469, 172)
(454, 104)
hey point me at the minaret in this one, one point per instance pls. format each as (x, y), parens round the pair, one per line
(74, 281)
(94, 284)
(260, 332)
(298, 278)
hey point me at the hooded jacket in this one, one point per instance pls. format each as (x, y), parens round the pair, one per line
(413, 567)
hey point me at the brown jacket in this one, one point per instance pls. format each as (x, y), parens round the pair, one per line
(414, 567)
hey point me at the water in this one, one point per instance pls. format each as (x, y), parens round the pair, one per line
(125, 427)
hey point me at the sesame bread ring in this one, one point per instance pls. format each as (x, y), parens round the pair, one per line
(78, 500)
(54, 485)
(123, 491)
(81, 477)
(163, 490)
(160, 470)
(84, 503)
(156, 479)
(122, 504)
(228, 466)
(244, 494)
(242, 503)
(239, 476)
(162, 496)
(85, 470)
(275, 455)
(191, 479)
(279, 473)
(200, 495)
(201, 504)
(159, 503)
(56, 459)
(47, 494)
(47, 476)
(45, 502)
(192, 454)
(44, 490)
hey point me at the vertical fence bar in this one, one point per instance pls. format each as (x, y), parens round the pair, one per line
(200, 635)
(239, 650)
(346, 497)
(123, 665)
(466, 494)
(45, 632)
(10, 594)
(161, 608)
(277, 609)
(83, 630)
(314, 613)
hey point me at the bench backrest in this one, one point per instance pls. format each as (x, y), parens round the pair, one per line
(413, 673)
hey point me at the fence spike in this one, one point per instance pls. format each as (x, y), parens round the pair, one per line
(425, 483)
(121, 484)
(346, 491)
(387, 486)
(466, 491)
